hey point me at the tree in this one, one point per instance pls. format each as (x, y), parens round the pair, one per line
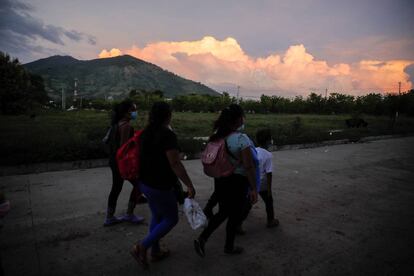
(316, 104)
(371, 104)
(20, 91)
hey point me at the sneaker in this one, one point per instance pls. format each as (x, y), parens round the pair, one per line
(234, 251)
(132, 218)
(112, 221)
(199, 247)
(272, 223)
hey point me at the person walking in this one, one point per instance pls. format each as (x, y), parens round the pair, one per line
(160, 170)
(264, 138)
(121, 131)
(231, 190)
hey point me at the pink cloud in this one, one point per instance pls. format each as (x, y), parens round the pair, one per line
(296, 71)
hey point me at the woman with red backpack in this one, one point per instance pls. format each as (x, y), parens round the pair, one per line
(121, 131)
(231, 190)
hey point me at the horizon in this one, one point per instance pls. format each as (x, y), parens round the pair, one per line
(264, 47)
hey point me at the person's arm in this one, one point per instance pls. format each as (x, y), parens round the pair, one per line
(248, 164)
(179, 170)
(268, 166)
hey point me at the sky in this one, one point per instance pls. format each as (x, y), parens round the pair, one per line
(285, 48)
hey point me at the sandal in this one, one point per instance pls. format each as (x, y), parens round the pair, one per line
(136, 253)
(162, 254)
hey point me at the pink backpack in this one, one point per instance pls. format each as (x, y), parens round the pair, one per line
(215, 159)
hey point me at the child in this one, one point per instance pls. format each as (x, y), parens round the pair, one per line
(264, 138)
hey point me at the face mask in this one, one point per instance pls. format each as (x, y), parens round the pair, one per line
(241, 128)
(169, 127)
(134, 115)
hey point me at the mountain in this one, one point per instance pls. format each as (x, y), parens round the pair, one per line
(115, 77)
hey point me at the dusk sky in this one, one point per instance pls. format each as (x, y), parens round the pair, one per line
(266, 47)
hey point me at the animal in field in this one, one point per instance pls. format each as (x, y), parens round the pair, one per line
(356, 122)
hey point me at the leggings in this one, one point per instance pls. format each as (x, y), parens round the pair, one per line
(267, 198)
(117, 183)
(231, 193)
(164, 212)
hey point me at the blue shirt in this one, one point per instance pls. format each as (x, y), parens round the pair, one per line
(236, 142)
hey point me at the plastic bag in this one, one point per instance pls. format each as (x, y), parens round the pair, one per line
(194, 214)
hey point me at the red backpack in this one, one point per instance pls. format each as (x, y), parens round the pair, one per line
(215, 159)
(127, 157)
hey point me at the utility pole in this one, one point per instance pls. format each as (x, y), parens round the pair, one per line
(63, 99)
(75, 92)
(326, 93)
(399, 88)
(238, 92)
(399, 99)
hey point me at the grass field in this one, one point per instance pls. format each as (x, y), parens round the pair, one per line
(66, 136)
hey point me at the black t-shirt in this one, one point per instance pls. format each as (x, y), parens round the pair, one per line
(155, 170)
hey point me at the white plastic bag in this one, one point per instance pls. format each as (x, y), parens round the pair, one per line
(194, 214)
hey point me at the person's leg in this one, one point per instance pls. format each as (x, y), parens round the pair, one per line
(133, 199)
(164, 205)
(220, 196)
(268, 199)
(155, 220)
(237, 196)
(117, 182)
(247, 206)
(211, 203)
(217, 219)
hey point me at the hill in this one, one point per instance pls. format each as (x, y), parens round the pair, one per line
(99, 78)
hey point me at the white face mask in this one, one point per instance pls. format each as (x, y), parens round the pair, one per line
(169, 127)
(241, 128)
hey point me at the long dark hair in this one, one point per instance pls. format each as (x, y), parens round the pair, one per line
(224, 125)
(119, 110)
(159, 114)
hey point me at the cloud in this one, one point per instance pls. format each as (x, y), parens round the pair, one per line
(17, 24)
(295, 72)
(112, 53)
(410, 71)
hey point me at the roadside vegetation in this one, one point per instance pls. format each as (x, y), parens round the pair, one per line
(66, 136)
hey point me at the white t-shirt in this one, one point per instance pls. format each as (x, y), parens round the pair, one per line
(265, 165)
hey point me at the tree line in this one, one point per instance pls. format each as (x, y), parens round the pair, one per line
(21, 91)
(336, 103)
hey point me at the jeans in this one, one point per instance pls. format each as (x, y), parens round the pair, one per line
(164, 212)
